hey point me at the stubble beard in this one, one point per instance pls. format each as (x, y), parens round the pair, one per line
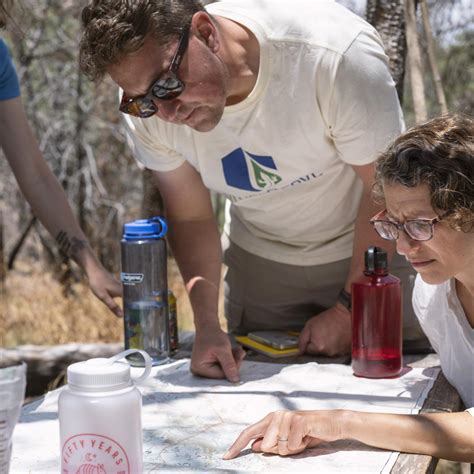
(209, 121)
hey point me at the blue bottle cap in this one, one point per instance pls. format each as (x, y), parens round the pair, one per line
(145, 229)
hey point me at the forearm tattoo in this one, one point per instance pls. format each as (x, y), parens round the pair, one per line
(69, 246)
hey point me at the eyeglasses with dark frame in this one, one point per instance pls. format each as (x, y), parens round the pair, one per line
(168, 86)
(417, 229)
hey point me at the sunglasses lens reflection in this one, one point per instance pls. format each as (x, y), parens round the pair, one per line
(139, 108)
(167, 88)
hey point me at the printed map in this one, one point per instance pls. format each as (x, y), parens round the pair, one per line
(189, 422)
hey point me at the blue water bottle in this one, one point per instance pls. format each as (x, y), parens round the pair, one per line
(145, 289)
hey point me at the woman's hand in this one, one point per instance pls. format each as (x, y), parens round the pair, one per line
(288, 432)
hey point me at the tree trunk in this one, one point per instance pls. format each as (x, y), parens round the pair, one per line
(432, 58)
(2, 260)
(387, 17)
(414, 59)
(45, 363)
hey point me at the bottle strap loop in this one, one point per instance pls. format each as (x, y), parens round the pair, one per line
(146, 358)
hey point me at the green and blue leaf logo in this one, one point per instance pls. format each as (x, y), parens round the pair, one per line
(249, 172)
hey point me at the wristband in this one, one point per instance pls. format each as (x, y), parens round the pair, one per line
(345, 299)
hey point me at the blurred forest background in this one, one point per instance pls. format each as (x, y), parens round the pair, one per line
(44, 297)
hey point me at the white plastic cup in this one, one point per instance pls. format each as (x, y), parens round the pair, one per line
(12, 394)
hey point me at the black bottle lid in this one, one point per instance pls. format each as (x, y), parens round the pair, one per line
(376, 260)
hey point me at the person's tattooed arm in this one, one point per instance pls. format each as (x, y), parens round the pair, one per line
(101, 282)
(71, 247)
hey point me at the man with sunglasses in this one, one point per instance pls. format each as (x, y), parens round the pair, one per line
(282, 107)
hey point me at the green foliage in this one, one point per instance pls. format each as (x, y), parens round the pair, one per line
(451, 22)
(457, 66)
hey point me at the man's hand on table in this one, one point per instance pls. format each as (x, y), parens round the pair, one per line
(328, 333)
(288, 432)
(214, 357)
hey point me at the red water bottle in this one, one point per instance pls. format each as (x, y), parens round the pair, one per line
(376, 319)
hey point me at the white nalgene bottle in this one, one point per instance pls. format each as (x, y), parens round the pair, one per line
(100, 417)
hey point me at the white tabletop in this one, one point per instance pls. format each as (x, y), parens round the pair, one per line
(189, 422)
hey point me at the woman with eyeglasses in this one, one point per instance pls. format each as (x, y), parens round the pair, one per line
(39, 185)
(426, 180)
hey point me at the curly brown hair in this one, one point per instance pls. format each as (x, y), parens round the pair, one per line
(438, 153)
(116, 28)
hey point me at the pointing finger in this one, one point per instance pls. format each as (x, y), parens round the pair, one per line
(252, 432)
(229, 366)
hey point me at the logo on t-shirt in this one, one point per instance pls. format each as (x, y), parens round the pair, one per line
(244, 170)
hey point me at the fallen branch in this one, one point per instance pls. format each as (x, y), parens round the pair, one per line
(45, 363)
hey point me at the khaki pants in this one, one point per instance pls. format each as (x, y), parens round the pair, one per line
(262, 294)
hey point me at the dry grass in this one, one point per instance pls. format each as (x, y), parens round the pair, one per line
(35, 311)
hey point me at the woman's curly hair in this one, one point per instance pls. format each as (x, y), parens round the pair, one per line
(116, 28)
(438, 153)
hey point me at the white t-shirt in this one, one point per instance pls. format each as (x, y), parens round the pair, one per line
(324, 100)
(444, 322)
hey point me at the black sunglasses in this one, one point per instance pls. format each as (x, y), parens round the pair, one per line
(168, 86)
